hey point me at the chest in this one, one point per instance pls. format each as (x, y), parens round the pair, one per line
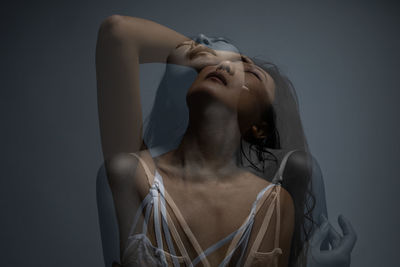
(211, 211)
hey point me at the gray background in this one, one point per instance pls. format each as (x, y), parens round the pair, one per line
(343, 59)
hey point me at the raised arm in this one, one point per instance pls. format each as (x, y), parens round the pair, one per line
(123, 43)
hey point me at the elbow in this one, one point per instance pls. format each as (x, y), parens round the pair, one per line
(112, 27)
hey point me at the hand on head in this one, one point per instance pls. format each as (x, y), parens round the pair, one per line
(202, 51)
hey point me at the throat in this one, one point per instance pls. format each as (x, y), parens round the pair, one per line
(211, 140)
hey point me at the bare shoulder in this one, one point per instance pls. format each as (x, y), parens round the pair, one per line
(299, 167)
(124, 170)
(120, 168)
(285, 199)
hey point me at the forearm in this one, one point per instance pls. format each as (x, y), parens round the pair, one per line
(119, 107)
(124, 42)
(151, 41)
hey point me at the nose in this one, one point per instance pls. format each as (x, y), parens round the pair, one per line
(227, 66)
(203, 39)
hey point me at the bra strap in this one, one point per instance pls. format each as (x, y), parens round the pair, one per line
(177, 239)
(186, 228)
(147, 215)
(278, 218)
(243, 238)
(146, 201)
(165, 226)
(264, 227)
(278, 178)
(156, 217)
(261, 201)
(146, 169)
(244, 235)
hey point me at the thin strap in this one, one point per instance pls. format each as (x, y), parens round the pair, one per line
(278, 178)
(241, 240)
(178, 240)
(239, 232)
(216, 246)
(166, 228)
(147, 215)
(185, 227)
(264, 227)
(145, 202)
(155, 203)
(278, 218)
(260, 204)
(244, 233)
(246, 242)
(156, 217)
(146, 168)
(165, 224)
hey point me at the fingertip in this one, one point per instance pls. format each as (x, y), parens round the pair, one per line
(346, 226)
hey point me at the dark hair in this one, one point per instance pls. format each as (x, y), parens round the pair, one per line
(289, 126)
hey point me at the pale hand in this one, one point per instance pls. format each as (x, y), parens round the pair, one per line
(339, 254)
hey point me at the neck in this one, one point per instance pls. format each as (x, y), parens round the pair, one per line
(211, 141)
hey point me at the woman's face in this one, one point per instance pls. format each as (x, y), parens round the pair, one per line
(237, 83)
(227, 75)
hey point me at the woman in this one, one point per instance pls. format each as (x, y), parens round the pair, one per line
(122, 28)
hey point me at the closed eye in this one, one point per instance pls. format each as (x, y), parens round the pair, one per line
(244, 59)
(220, 39)
(255, 74)
(184, 43)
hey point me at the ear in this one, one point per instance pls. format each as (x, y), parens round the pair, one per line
(259, 131)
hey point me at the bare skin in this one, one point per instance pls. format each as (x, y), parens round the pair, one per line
(124, 43)
(201, 174)
(213, 208)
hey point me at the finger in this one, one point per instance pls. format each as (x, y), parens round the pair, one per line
(322, 218)
(345, 225)
(319, 235)
(334, 237)
(349, 235)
